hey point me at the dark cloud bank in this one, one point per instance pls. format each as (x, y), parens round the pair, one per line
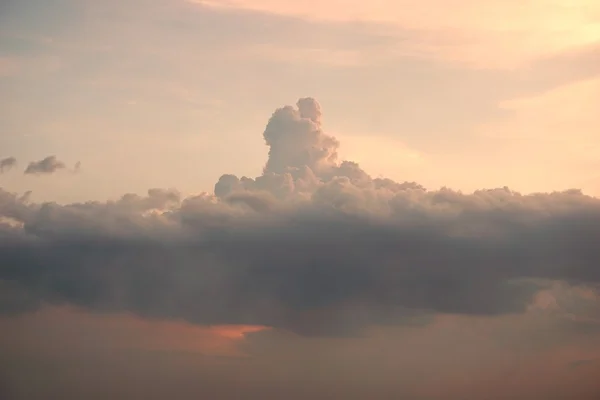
(313, 245)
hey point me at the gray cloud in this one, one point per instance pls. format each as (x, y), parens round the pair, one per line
(48, 165)
(313, 245)
(6, 164)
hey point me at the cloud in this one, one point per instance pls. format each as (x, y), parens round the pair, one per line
(48, 165)
(7, 164)
(427, 13)
(314, 245)
(490, 34)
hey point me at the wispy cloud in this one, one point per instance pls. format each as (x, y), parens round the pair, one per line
(6, 164)
(488, 33)
(48, 165)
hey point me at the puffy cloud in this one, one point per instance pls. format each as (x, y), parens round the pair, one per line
(302, 158)
(6, 164)
(48, 165)
(296, 139)
(313, 245)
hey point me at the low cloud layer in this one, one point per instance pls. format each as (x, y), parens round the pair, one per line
(313, 245)
(6, 164)
(48, 165)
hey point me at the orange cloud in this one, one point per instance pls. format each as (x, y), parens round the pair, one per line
(235, 332)
(120, 332)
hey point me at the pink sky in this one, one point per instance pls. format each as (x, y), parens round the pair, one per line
(421, 224)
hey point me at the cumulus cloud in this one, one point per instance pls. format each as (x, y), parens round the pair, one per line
(6, 164)
(48, 165)
(314, 245)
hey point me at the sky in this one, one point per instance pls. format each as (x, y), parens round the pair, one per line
(283, 199)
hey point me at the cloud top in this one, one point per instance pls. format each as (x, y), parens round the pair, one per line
(296, 139)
